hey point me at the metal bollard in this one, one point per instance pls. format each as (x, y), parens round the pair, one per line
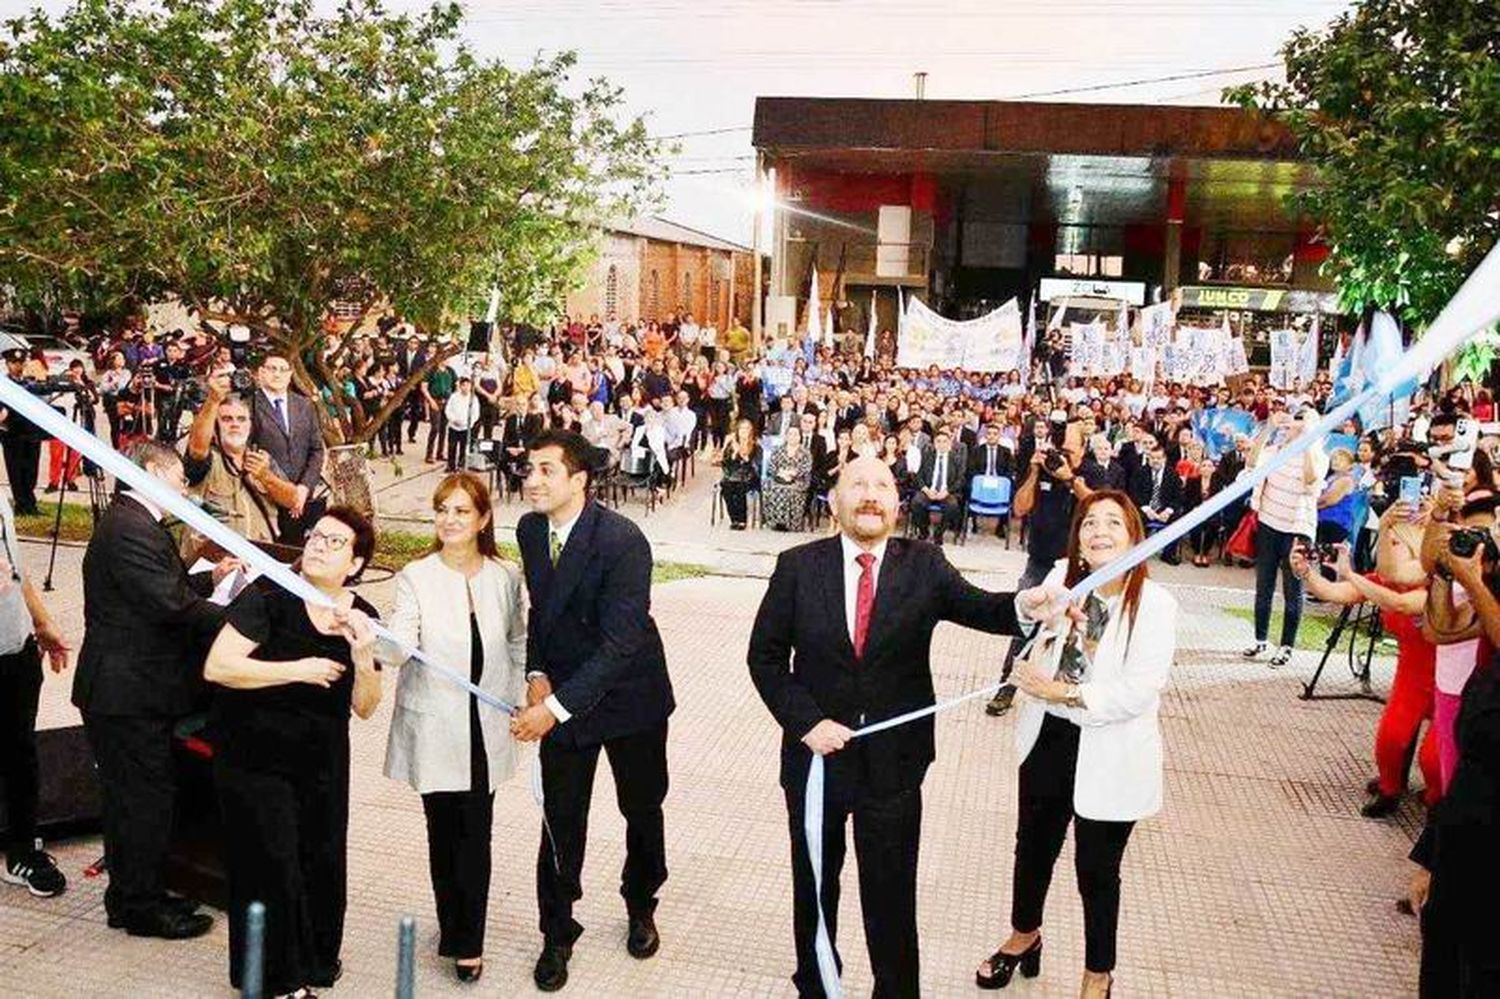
(406, 959)
(253, 972)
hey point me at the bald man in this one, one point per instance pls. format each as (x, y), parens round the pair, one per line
(842, 640)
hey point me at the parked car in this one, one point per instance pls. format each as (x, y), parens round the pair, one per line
(59, 352)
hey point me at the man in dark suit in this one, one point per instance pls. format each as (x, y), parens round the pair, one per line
(1101, 469)
(146, 630)
(991, 457)
(1157, 490)
(597, 679)
(940, 486)
(842, 640)
(286, 427)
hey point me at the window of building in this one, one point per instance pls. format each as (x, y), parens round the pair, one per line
(1089, 264)
(687, 291)
(715, 296)
(655, 295)
(612, 292)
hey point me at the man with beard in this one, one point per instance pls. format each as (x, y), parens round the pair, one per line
(842, 640)
(236, 481)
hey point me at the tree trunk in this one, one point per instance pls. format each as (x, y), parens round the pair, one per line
(346, 469)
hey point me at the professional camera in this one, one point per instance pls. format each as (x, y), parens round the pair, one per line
(241, 382)
(1465, 541)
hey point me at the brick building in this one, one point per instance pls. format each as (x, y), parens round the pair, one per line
(648, 268)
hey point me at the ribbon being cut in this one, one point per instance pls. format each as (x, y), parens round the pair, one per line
(18, 400)
(1476, 307)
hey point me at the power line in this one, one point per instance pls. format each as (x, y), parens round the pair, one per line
(1141, 83)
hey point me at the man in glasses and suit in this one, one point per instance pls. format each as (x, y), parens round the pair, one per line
(286, 427)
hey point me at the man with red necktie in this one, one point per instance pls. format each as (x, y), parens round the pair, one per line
(841, 641)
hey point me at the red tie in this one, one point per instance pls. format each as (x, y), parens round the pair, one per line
(864, 602)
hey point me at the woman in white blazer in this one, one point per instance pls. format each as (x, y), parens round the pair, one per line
(461, 605)
(1091, 751)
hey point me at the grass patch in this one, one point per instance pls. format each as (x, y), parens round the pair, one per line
(1312, 633)
(393, 550)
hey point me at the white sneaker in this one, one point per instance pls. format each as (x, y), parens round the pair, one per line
(1282, 657)
(1254, 650)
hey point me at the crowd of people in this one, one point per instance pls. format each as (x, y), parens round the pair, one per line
(1400, 517)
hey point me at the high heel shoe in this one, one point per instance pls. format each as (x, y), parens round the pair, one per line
(1003, 966)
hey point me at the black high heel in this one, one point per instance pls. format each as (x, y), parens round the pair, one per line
(1003, 966)
(468, 972)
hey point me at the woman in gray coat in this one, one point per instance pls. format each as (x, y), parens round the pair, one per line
(460, 605)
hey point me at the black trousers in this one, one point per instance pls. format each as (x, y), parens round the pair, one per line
(458, 442)
(736, 499)
(23, 458)
(950, 513)
(639, 764)
(437, 434)
(137, 779)
(20, 687)
(1046, 808)
(286, 846)
(458, 856)
(887, 834)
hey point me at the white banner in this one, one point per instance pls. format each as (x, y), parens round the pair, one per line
(1285, 359)
(990, 343)
(1156, 324)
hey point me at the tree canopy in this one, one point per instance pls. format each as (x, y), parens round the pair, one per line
(261, 161)
(1397, 102)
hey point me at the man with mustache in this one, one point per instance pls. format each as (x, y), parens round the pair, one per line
(239, 483)
(842, 640)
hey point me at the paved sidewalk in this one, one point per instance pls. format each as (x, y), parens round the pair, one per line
(1258, 879)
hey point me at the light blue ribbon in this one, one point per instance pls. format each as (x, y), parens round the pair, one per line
(18, 400)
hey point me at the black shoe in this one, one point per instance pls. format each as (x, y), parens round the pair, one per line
(1003, 966)
(51, 488)
(643, 940)
(937, 539)
(1001, 702)
(551, 971)
(1171, 559)
(1372, 786)
(172, 903)
(329, 980)
(37, 871)
(169, 925)
(468, 973)
(1380, 806)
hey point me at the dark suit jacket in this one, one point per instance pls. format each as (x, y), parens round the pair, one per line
(777, 422)
(802, 661)
(1111, 476)
(298, 452)
(979, 460)
(145, 628)
(958, 468)
(590, 628)
(1171, 489)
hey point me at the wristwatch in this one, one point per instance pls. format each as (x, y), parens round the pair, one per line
(1074, 696)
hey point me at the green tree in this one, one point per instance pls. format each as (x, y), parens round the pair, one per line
(261, 161)
(1397, 102)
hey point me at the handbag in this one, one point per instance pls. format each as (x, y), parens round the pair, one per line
(1242, 542)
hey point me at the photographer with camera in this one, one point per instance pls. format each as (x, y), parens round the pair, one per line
(22, 442)
(172, 386)
(1398, 586)
(1460, 867)
(1048, 490)
(236, 480)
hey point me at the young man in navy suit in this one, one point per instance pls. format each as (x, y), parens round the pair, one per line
(596, 679)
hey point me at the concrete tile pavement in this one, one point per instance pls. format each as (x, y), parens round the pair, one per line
(1259, 878)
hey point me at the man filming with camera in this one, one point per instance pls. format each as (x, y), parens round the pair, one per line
(170, 377)
(235, 479)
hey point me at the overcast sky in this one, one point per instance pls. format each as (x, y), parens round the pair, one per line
(697, 66)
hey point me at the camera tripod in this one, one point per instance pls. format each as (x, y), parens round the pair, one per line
(1367, 617)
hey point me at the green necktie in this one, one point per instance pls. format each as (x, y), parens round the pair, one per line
(556, 547)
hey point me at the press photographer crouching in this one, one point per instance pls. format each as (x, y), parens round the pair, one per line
(236, 481)
(1461, 866)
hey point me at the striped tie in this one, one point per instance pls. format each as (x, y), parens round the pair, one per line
(556, 547)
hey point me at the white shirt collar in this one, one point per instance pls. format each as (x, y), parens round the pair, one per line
(151, 508)
(272, 397)
(562, 531)
(852, 551)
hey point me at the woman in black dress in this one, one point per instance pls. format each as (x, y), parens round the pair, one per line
(287, 674)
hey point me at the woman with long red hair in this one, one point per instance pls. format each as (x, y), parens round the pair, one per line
(1089, 743)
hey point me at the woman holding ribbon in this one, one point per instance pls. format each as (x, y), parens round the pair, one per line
(287, 673)
(1089, 742)
(461, 605)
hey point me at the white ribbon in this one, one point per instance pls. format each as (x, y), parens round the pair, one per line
(18, 400)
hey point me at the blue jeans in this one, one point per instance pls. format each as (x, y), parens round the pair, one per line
(1271, 550)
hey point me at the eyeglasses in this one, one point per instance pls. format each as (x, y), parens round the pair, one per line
(332, 542)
